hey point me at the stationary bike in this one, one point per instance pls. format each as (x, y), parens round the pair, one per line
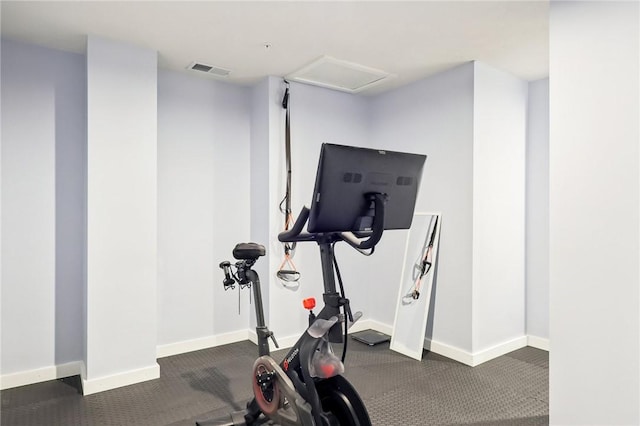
(306, 387)
(349, 204)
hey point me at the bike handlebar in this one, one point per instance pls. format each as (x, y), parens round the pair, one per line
(291, 235)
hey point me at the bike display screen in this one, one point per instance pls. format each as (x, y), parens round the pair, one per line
(345, 176)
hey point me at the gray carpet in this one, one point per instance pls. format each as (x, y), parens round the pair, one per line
(510, 390)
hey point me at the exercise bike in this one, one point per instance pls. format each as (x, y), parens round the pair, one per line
(307, 387)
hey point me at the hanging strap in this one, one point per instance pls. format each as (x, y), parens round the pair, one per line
(289, 275)
(287, 150)
(286, 201)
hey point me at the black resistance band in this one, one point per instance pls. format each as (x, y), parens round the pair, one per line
(287, 275)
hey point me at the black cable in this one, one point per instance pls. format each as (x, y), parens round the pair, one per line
(335, 264)
(344, 309)
(288, 247)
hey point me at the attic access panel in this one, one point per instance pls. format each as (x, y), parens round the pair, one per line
(339, 75)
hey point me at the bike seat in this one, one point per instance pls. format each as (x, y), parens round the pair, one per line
(246, 251)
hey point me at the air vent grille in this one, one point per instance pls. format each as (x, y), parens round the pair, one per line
(209, 69)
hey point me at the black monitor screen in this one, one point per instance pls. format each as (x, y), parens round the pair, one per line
(346, 173)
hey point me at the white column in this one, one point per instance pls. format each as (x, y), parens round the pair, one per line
(499, 134)
(261, 187)
(121, 318)
(594, 373)
(28, 217)
(537, 215)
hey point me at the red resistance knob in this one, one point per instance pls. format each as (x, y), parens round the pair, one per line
(309, 303)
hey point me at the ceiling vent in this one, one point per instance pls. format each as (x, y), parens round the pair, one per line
(209, 69)
(339, 75)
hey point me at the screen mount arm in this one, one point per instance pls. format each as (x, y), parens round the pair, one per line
(378, 199)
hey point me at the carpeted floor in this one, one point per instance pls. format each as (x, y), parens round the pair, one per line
(510, 390)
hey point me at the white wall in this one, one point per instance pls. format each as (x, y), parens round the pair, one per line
(499, 133)
(220, 179)
(434, 117)
(471, 122)
(203, 204)
(594, 373)
(537, 210)
(1, 208)
(317, 115)
(44, 137)
(203, 210)
(121, 298)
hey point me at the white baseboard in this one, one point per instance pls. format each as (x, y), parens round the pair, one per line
(29, 377)
(75, 368)
(449, 351)
(443, 349)
(477, 358)
(283, 342)
(538, 342)
(202, 343)
(105, 383)
(289, 341)
(499, 350)
(371, 324)
(458, 354)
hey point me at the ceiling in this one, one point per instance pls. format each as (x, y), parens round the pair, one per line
(410, 40)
